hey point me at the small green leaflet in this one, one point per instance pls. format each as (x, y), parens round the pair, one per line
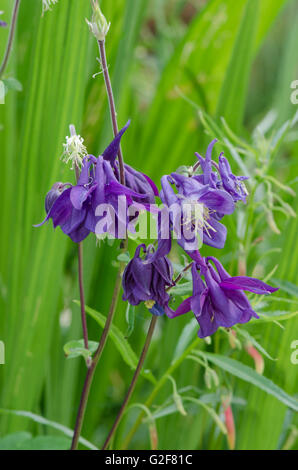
(249, 375)
(76, 348)
(130, 318)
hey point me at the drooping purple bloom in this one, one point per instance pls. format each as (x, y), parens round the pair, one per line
(231, 183)
(146, 279)
(220, 175)
(75, 209)
(195, 208)
(218, 300)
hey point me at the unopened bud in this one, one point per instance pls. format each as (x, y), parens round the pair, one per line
(272, 223)
(257, 357)
(179, 404)
(52, 195)
(229, 422)
(153, 436)
(233, 340)
(98, 25)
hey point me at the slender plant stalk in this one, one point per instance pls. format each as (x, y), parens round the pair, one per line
(95, 360)
(133, 382)
(72, 130)
(180, 276)
(82, 295)
(109, 320)
(105, 70)
(155, 391)
(10, 37)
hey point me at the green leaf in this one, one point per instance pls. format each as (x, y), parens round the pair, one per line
(187, 335)
(12, 84)
(276, 316)
(52, 424)
(286, 286)
(120, 342)
(14, 440)
(46, 443)
(252, 340)
(234, 89)
(182, 289)
(125, 257)
(130, 318)
(249, 375)
(76, 348)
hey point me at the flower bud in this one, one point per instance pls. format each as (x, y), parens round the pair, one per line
(258, 359)
(229, 422)
(153, 436)
(52, 195)
(98, 25)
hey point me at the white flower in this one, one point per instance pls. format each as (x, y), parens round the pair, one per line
(46, 5)
(74, 151)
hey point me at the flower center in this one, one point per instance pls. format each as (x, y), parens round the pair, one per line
(196, 215)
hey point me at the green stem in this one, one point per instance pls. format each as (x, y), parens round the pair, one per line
(10, 37)
(105, 70)
(94, 363)
(133, 382)
(156, 389)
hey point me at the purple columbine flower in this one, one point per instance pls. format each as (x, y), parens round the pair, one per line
(199, 206)
(146, 279)
(74, 208)
(219, 300)
(221, 176)
(231, 183)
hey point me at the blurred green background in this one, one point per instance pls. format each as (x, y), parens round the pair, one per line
(232, 59)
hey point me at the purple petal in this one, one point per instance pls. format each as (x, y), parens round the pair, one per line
(152, 184)
(249, 284)
(183, 308)
(111, 151)
(217, 237)
(218, 200)
(118, 189)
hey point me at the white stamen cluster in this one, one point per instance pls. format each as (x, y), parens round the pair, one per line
(46, 5)
(196, 215)
(74, 151)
